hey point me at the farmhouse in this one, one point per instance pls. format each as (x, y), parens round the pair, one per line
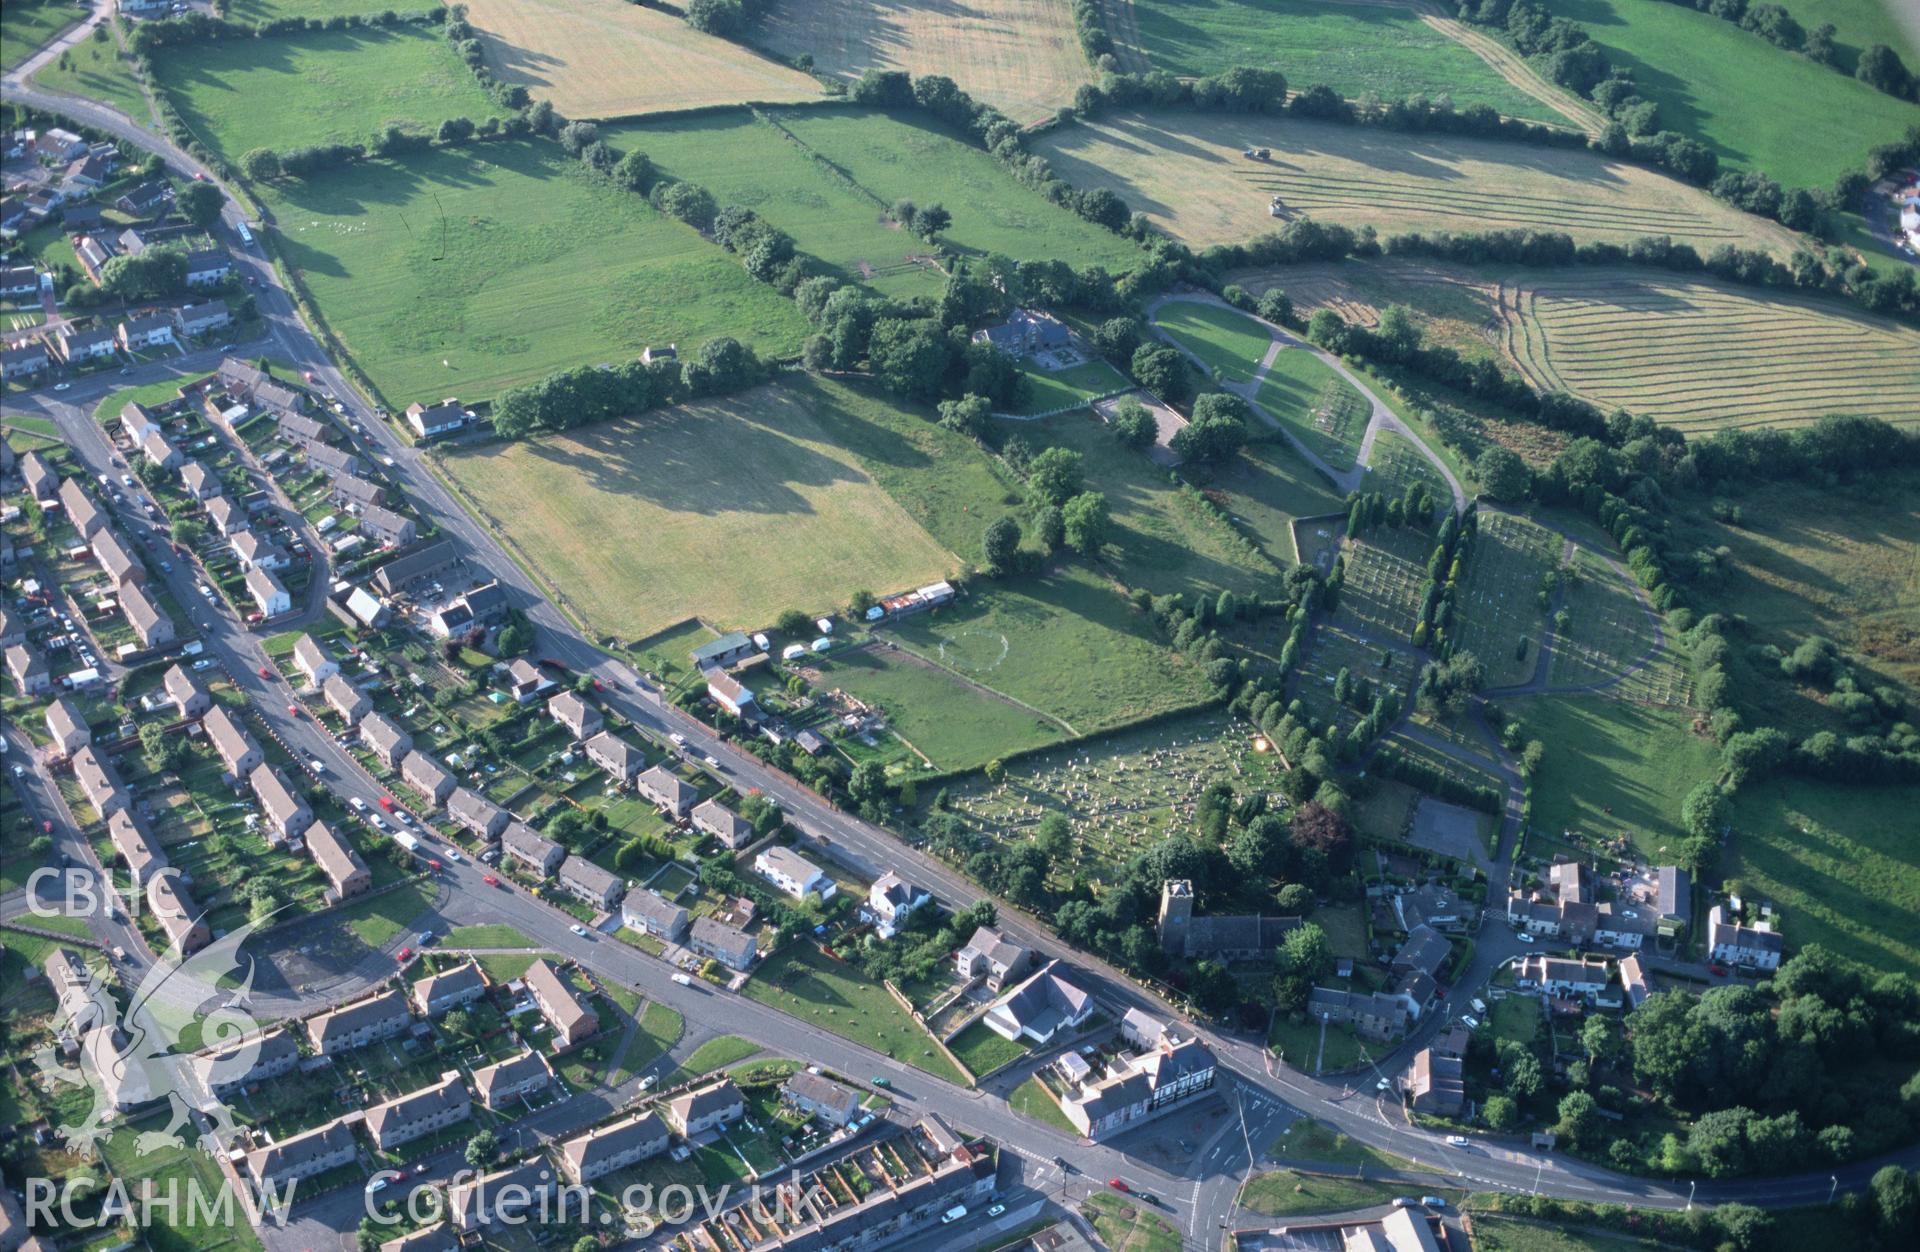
(189, 698)
(669, 791)
(474, 812)
(533, 850)
(586, 881)
(379, 1016)
(571, 1020)
(1041, 1007)
(67, 727)
(385, 738)
(716, 819)
(1026, 332)
(815, 1096)
(99, 782)
(429, 421)
(438, 994)
(706, 1107)
(794, 874)
(284, 813)
(580, 718)
(344, 698)
(1229, 938)
(268, 595)
(649, 914)
(991, 956)
(426, 776)
(238, 752)
(141, 855)
(347, 874)
(409, 1117)
(729, 945)
(509, 1080)
(1755, 947)
(304, 1155)
(613, 1146)
(620, 759)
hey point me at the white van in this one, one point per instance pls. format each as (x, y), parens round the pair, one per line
(953, 1214)
(683, 980)
(1479, 1005)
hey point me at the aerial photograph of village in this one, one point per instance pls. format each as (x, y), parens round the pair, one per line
(960, 625)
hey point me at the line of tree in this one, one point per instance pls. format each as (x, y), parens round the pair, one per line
(1090, 24)
(195, 27)
(1425, 776)
(1878, 66)
(592, 393)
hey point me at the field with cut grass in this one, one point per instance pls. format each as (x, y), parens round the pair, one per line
(1701, 355)
(1453, 307)
(1757, 106)
(1020, 56)
(1185, 172)
(465, 272)
(93, 68)
(30, 25)
(609, 58)
(748, 507)
(254, 12)
(1861, 23)
(1358, 47)
(338, 86)
(1840, 863)
(1227, 341)
(955, 725)
(911, 157)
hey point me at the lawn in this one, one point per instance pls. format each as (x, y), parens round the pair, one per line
(491, 935)
(1018, 55)
(1613, 769)
(1231, 344)
(608, 58)
(465, 272)
(1185, 172)
(1840, 862)
(743, 160)
(815, 988)
(748, 504)
(913, 157)
(1286, 1193)
(1265, 489)
(1030, 1099)
(715, 1054)
(982, 1051)
(1757, 106)
(337, 86)
(1125, 1224)
(30, 25)
(1308, 1140)
(1324, 411)
(955, 725)
(1300, 1045)
(1355, 49)
(380, 920)
(1051, 390)
(93, 68)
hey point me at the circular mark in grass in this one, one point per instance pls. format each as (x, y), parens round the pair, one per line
(974, 650)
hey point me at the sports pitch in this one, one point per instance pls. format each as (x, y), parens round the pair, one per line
(609, 58)
(728, 510)
(1185, 172)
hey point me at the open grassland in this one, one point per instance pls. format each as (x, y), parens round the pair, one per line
(1862, 23)
(952, 723)
(1185, 172)
(1356, 47)
(1757, 106)
(1230, 343)
(337, 86)
(253, 12)
(95, 69)
(1702, 355)
(26, 26)
(609, 58)
(1506, 1234)
(1614, 770)
(1265, 489)
(1453, 307)
(1020, 56)
(1612, 632)
(1840, 861)
(465, 272)
(743, 160)
(1499, 616)
(747, 507)
(914, 158)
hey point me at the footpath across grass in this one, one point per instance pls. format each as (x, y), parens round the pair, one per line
(805, 982)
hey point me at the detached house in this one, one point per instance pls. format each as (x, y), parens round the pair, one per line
(794, 874)
(822, 1098)
(892, 899)
(1041, 1007)
(992, 956)
(581, 719)
(431, 420)
(672, 793)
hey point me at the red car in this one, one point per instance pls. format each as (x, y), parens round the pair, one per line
(1718, 971)
(386, 802)
(491, 881)
(403, 955)
(1118, 1184)
(265, 672)
(598, 685)
(293, 710)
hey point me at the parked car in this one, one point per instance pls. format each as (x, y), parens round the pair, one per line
(578, 929)
(1404, 1202)
(491, 881)
(1119, 1184)
(682, 979)
(1433, 1201)
(1456, 1141)
(359, 805)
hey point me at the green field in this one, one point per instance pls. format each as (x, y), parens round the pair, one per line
(1861, 23)
(1323, 410)
(339, 86)
(956, 726)
(1613, 769)
(93, 68)
(745, 161)
(1048, 390)
(895, 157)
(1840, 862)
(1611, 632)
(1264, 489)
(715, 1054)
(838, 998)
(1231, 344)
(29, 25)
(257, 11)
(1355, 49)
(1759, 107)
(1308, 1140)
(749, 507)
(464, 272)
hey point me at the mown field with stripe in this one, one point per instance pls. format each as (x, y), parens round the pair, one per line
(1701, 355)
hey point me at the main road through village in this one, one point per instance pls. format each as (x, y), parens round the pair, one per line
(1197, 1183)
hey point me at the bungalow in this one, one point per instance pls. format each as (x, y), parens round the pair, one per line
(524, 679)
(503, 1082)
(227, 517)
(729, 945)
(426, 776)
(419, 1113)
(793, 874)
(571, 1020)
(80, 346)
(311, 658)
(151, 624)
(98, 781)
(152, 331)
(716, 819)
(29, 670)
(160, 452)
(303, 1155)
(349, 491)
(389, 528)
(532, 849)
(581, 719)
(208, 267)
(504, 1195)
(667, 790)
(1754, 947)
(648, 913)
(286, 814)
(82, 513)
(704, 1108)
(1372, 1014)
(620, 759)
(992, 956)
(614, 1146)
(178, 915)
(303, 432)
(437, 994)
(347, 700)
(385, 738)
(821, 1098)
(67, 726)
(119, 564)
(194, 320)
(93, 251)
(1041, 1007)
(38, 477)
(723, 651)
(379, 1016)
(432, 420)
(727, 692)
(199, 482)
(474, 812)
(145, 200)
(254, 550)
(25, 361)
(347, 873)
(892, 899)
(238, 752)
(18, 281)
(332, 461)
(268, 595)
(189, 698)
(586, 881)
